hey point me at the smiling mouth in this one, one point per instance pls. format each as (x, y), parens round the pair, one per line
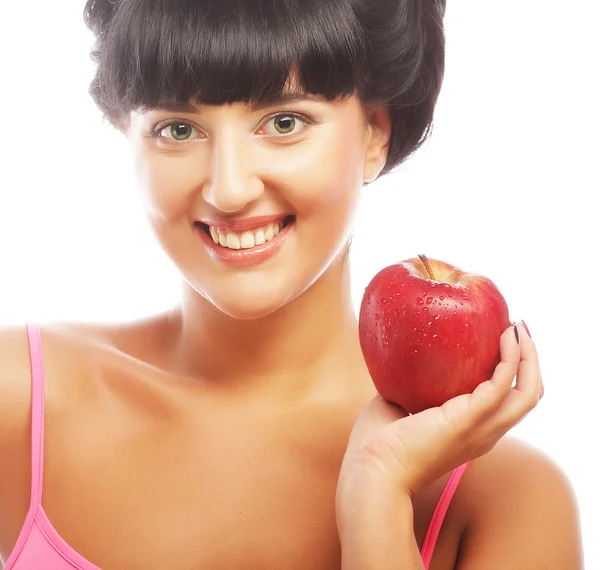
(248, 239)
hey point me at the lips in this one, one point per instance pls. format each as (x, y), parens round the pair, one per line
(244, 224)
(248, 233)
(241, 248)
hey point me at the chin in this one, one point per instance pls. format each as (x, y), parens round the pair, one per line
(249, 306)
(260, 292)
(247, 311)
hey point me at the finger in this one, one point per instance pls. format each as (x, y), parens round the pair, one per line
(486, 398)
(378, 412)
(385, 410)
(526, 393)
(541, 381)
(510, 357)
(528, 375)
(476, 408)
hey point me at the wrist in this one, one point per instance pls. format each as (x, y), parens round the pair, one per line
(363, 485)
(367, 502)
(376, 532)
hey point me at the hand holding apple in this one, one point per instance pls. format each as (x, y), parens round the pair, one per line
(430, 332)
(394, 452)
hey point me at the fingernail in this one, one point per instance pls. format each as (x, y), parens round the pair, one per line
(526, 329)
(516, 333)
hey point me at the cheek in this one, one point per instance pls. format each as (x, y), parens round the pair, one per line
(166, 186)
(328, 176)
(326, 189)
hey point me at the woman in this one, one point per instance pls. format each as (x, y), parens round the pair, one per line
(241, 429)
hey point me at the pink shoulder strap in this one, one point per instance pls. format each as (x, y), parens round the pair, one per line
(37, 413)
(440, 514)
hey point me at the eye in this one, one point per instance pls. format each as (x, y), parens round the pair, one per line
(285, 123)
(178, 131)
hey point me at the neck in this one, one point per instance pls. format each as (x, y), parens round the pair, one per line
(292, 351)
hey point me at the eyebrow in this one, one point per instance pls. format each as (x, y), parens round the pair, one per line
(292, 97)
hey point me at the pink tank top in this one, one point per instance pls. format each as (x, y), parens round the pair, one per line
(40, 547)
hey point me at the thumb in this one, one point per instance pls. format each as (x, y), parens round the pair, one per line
(379, 413)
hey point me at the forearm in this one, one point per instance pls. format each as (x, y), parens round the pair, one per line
(377, 533)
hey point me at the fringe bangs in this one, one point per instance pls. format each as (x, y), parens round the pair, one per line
(174, 51)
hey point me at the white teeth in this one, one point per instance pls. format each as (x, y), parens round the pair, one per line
(233, 241)
(247, 239)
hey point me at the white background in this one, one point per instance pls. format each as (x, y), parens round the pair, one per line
(508, 186)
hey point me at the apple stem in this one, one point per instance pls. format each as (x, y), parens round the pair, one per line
(425, 261)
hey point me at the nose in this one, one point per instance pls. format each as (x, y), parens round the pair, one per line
(232, 182)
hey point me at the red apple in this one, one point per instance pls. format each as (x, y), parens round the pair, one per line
(430, 331)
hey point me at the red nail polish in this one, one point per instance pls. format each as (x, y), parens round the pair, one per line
(526, 329)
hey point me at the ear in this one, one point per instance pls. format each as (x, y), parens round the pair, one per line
(379, 131)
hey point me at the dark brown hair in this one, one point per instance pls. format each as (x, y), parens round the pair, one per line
(155, 52)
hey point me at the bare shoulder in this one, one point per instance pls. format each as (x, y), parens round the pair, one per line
(72, 355)
(521, 512)
(66, 354)
(61, 343)
(515, 461)
(15, 385)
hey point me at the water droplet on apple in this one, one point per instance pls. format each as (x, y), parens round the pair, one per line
(450, 295)
(420, 301)
(425, 309)
(454, 313)
(434, 335)
(433, 285)
(415, 351)
(441, 297)
(429, 299)
(377, 316)
(430, 323)
(436, 317)
(425, 294)
(465, 296)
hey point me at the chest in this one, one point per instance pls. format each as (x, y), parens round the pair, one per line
(225, 490)
(221, 493)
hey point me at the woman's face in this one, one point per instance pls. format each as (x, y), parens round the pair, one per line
(277, 188)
